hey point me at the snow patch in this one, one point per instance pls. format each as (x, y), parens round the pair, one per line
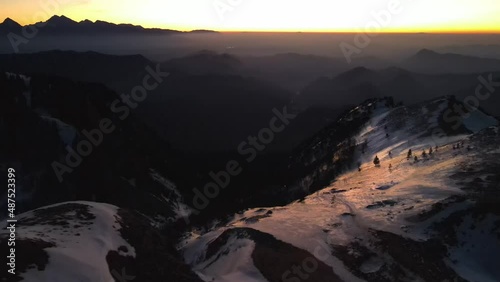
(232, 263)
(80, 250)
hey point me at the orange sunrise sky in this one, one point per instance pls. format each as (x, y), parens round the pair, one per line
(272, 15)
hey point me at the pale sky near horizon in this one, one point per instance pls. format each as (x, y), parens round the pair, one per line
(272, 15)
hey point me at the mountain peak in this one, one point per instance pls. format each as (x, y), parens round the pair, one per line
(102, 22)
(60, 24)
(426, 52)
(10, 22)
(60, 20)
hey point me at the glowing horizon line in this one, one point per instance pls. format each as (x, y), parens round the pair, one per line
(387, 30)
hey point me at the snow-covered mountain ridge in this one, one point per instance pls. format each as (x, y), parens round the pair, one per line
(414, 221)
(435, 219)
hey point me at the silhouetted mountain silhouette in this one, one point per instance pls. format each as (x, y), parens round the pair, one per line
(9, 25)
(358, 84)
(62, 25)
(215, 104)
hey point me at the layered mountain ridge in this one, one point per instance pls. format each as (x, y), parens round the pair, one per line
(329, 212)
(62, 25)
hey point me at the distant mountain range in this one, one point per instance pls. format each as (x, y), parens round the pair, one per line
(359, 84)
(291, 71)
(62, 25)
(428, 61)
(198, 83)
(294, 71)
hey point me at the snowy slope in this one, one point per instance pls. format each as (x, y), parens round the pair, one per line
(407, 223)
(76, 238)
(227, 269)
